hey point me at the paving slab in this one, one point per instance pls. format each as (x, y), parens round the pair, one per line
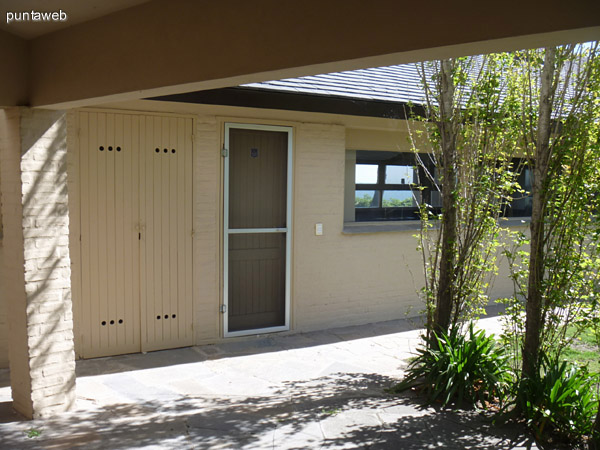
(322, 390)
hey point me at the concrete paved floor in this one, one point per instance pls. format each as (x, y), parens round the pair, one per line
(316, 390)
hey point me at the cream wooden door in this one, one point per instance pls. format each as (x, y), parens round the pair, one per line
(136, 249)
(166, 230)
(109, 179)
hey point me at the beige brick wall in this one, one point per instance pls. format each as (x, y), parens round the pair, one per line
(206, 198)
(342, 279)
(13, 276)
(73, 188)
(36, 266)
(3, 305)
(3, 300)
(3, 318)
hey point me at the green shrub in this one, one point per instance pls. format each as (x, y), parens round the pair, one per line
(560, 399)
(468, 368)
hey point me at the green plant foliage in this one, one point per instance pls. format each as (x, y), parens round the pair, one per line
(366, 201)
(331, 411)
(567, 196)
(560, 399)
(482, 138)
(466, 368)
(363, 202)
(397, 202)
(33, 433)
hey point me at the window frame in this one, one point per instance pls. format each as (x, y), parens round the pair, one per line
(382, 213)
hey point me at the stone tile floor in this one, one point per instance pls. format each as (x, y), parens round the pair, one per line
(321, 390)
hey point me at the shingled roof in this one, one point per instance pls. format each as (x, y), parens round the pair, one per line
(376, 92)
(400, 83)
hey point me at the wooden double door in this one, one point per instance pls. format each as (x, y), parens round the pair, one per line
(135, 182)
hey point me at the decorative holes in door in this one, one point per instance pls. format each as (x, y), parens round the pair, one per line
(164, 150)
(166, 316)
(111, 322)
(110, 148)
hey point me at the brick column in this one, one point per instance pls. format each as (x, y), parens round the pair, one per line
(36, 271)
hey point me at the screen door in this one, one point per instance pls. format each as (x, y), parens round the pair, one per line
(257, 228)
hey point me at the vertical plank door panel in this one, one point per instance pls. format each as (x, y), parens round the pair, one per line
(109, 241)
(168, 240)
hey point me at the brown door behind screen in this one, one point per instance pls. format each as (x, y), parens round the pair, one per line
(257, 199)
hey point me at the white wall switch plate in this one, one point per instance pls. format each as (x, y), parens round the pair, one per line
(318, 229)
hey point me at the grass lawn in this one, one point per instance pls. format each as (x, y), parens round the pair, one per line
(584, 351)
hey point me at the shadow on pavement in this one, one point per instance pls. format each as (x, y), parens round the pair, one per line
(250, 345)
(337, 411)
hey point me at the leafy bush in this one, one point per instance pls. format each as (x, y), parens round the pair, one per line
(470, 368)
(561, 398)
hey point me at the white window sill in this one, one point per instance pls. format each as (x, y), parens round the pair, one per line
(414, 225)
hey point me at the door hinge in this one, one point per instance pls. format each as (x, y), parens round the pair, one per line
(223, 309)
(224, 152)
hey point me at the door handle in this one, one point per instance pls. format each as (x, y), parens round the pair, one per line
(140, 227)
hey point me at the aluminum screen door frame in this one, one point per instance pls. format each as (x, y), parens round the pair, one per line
(227, 231)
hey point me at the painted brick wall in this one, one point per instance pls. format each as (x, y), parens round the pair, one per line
(3, 318)
(36, 260)
(206, 198)
(3, 304)
(344, 279)
(13, 276)
(9, 136)
(73, 188)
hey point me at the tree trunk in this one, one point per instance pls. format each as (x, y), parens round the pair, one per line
(445, 295)
(533, 323)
